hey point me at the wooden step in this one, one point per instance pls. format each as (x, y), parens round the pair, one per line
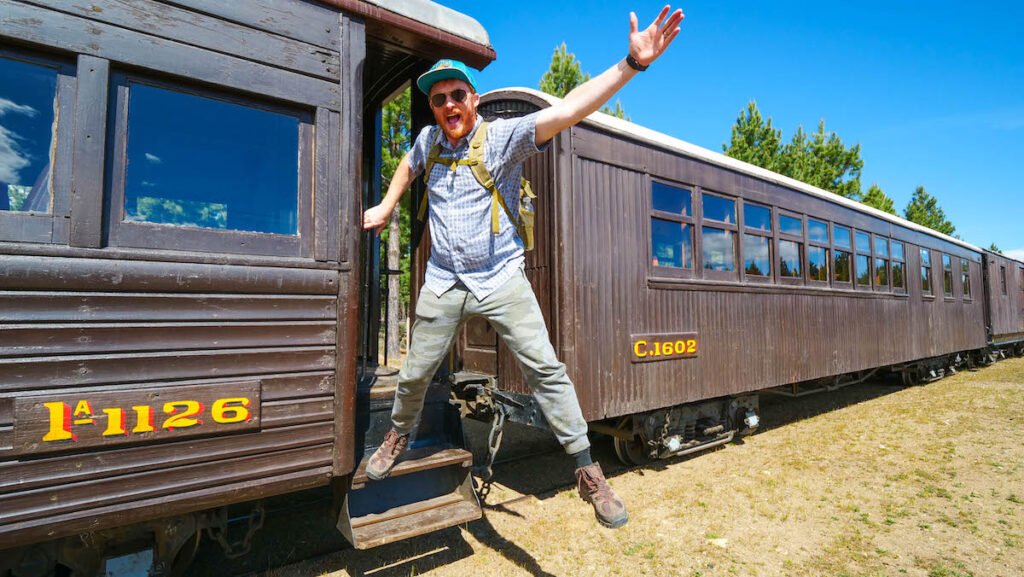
(415, 460)
(413, 519)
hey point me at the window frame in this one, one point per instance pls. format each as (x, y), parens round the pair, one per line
(947, 259)
(870, 286)
(800, 240)
(690, 221)
(719, 275)
(848, 250)
(818, 244)
(892, 260)
(53, 226)
(930, 293)
(1002, 279)
(121, 233)
(966, 290)
(768, 234)
(887, 258)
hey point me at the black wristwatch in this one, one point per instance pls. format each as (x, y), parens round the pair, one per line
(634, 64)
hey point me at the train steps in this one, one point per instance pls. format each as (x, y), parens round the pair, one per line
(429, 488)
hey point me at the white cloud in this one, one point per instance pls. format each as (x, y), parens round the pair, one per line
(11, 160)
(153, 158)
(1017, 253)
(9, 106)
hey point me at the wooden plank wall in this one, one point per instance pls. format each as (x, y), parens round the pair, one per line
(87, 318)
(751, 336)
(1006, 311)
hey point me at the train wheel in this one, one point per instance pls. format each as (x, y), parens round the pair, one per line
(633, 451)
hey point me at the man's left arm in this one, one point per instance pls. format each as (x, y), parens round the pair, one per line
(645, 46)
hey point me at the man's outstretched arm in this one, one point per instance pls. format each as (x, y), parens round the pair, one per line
(377, 217)
(645, 46)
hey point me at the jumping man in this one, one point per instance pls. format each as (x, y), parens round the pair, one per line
(474, 271)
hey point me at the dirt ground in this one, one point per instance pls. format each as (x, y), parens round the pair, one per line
(874, 479)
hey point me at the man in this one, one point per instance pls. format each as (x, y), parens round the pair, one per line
(473, 271)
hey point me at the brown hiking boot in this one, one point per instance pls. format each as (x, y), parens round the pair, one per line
(386, 454)
(608, 508)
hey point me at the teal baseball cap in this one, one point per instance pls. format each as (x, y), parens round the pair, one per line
(443, 70)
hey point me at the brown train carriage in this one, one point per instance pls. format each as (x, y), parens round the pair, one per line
(660, 269)
(1004, 290)
(179, 345)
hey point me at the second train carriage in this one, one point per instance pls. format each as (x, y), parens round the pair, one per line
(678, 282)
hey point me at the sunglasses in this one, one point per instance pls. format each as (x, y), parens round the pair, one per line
(458, 96)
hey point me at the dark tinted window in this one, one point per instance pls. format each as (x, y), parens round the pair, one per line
(27, 132)
(863, 242)
(842, 235)
(790, 225)
(898, 277)
(817, 263)
(817, 231)
(789, 258)
(1002, 278)
(720, 209)
(947, 275)
(719, 248)
(881, 272)
(842, 266)
(926, 257)
(926, 271)
(863, 263)
(759, 217)
(196, 161)
(671, 244)
(757, 255)
(671, 199)
(965, 277)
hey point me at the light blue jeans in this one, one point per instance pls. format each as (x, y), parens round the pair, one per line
(514, 313)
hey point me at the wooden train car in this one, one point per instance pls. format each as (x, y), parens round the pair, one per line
(677, 282)
(1004, 302)
(183, 280)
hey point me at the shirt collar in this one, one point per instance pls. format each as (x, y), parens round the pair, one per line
(446, 144)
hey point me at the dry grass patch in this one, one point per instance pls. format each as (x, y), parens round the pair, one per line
(923, 481)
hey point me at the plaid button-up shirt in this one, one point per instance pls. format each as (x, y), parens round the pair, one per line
(463, 247)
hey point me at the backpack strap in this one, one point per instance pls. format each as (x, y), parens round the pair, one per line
(483, 176)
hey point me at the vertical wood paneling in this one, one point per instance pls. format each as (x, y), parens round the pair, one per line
(90, 143)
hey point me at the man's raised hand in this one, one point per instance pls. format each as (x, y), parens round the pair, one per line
(647, 45)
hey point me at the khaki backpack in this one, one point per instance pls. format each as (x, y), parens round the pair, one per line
(523, 224)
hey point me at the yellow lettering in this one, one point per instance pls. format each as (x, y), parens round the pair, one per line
(230, 410)
(143, 419)
(637, 347)
(60, 422)
(115, 422)
(84, 410)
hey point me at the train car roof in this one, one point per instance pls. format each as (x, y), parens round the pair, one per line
(628, 129)
(464, 36)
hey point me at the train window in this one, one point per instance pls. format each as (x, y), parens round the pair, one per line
(757, 255)
(899, 281)
(863, 267)
(881, 262)
(671, 244)
(28, 133)
(202, 162)
(718, 249)
(965, 278)
(817, 231)
(720, 209)
(790, 258)
(926, 271)
(1002, 278)
(841, 270)
(670, 199)
(863, 243)
(841, 234)
(817, 263)
(672, 227)
(791, 226)
(947, 275)
(757, 217)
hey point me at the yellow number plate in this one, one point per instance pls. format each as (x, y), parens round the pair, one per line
(648, 348)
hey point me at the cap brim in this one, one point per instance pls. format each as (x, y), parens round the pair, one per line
(432, 77)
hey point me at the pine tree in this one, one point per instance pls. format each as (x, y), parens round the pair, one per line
(995, 249)
(396, 139)
(924, 209)
(877, 198)
(755, 140)
(565, 73)
(822, 160)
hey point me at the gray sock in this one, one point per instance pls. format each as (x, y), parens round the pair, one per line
(582, 458)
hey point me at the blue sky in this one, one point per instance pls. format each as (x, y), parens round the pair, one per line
(933, 92)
